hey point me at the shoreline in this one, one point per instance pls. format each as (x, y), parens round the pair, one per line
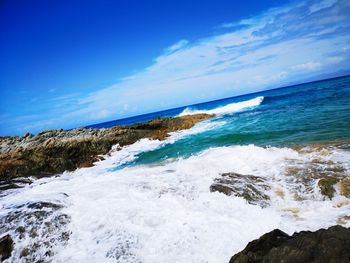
(52, 152)
(55, 151)
(258, 192)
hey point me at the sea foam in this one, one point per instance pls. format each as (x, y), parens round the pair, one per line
(162, 211)
(227, 109)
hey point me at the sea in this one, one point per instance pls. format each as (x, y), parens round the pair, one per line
(153, 201)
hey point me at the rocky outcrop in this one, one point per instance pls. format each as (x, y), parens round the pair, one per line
(55, 151)
(6, 247)
(250, 187)
(325, 245)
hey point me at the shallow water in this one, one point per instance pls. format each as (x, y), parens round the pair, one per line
(151, 201)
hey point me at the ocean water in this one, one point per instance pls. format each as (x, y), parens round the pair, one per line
(303, 114)
(311, 112)
(151, 201)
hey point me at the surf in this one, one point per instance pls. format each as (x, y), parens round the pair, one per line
(115, 214)
(227, 109)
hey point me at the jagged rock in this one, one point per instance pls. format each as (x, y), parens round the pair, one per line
(6, 247)
(249, 187)
(325, 245)
(55, 151)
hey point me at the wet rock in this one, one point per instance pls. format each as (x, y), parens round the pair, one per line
(55, 151)
(251, 188)
(13, 183)
(7, 186)
(6, 247)
(34, 227)
(41, 205)
(326, 186)
(318, 170)
(345, 187)
(24, 253)
(324, 245)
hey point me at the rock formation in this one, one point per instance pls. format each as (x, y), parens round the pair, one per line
(6, 247)
(55, 151)
(330, 245)
(251, 188)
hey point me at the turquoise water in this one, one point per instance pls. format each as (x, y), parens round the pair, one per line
(308, 113)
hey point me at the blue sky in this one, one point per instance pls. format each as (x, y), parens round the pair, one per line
(71, 63)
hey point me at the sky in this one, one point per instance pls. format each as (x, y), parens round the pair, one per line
(66, 64)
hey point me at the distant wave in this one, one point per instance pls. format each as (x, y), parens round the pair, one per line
(229, 108)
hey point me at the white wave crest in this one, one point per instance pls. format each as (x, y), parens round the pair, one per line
(229, 108)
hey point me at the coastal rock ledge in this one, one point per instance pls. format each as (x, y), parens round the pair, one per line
(55, 151)
(330, 245)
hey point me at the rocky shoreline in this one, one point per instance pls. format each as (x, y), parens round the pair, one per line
(55, 151)
(323, 245)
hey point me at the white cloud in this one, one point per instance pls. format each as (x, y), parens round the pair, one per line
(322, 5)
(278, 46)
(335, 59)
(176, 46)
(101, 114)
(309, 66)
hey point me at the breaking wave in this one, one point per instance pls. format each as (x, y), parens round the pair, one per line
(227, 109)
(114, 215)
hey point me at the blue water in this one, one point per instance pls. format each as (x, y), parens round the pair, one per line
(166, 208)
(315, 112)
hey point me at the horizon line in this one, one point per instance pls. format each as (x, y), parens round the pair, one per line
(196, 104)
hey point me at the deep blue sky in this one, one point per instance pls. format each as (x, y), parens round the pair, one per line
(57, 55)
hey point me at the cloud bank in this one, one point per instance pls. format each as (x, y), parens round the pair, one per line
(278, 47)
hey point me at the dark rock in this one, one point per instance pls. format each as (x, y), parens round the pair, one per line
(25, 252)
(13, 183)
(41, 205)
(8, 185)
(6, 247)
(249, 187)
(325, 245)
(28, 135)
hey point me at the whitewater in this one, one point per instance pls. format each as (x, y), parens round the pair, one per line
(227, 109)
(163, 211)
(130, 208)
